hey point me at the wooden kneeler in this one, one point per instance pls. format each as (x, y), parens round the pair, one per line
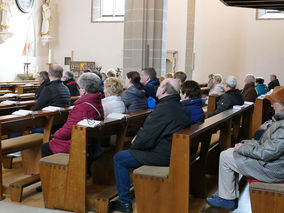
(166, 185)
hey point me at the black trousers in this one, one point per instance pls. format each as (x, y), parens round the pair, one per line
(45, 150)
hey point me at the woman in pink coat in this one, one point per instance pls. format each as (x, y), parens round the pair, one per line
(88, 106)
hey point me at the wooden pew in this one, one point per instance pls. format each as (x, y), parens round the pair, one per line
(3, 92)
(212, 104)
(19, 97)
(8, 109)
(262, 106)
(64, 175)
(29, 144)
(266, 197)
(205, 90)
(13, 85)
(167, 189)
(21, 89)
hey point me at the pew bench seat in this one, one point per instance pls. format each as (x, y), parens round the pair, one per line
(60, 159)
(266, 197)
(17, 144)
(152, 171)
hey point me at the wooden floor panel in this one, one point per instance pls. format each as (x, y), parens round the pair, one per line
(33, 198)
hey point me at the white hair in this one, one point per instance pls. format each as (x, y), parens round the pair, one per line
(251, 78)
(68, 75)
(90, 82)
(231, 81)
(218, 78)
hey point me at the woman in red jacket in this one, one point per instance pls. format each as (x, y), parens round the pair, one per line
(88, 106)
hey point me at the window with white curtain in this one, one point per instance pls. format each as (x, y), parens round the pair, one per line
(108, 10)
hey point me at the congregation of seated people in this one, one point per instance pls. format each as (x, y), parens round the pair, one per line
(177, 104)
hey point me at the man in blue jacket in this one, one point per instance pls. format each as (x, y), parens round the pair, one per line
(150, 81)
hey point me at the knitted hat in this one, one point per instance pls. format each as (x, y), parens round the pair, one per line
(277, 95)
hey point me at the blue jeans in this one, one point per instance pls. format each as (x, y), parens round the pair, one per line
(123, 161)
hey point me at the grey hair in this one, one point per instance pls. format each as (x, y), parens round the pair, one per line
(90, 82)
(251, 78)
(218, 78)
(68, 75)
(231, 82)
(44, 75)
(170, 89)
(274, 76)
(56, 71)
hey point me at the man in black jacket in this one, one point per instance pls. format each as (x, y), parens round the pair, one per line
(55, 93)
(231, 97)
(43, 80)
(273, 82)
(152, 144)
(69, 81)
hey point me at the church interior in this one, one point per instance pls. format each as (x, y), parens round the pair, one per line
(196, 37)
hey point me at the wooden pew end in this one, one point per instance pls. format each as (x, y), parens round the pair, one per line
(266, 197)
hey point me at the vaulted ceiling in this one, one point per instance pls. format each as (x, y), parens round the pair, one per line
(260, 4)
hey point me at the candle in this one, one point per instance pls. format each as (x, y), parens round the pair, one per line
(49, 56)
(27, 54)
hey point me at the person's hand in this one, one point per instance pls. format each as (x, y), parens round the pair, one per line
(263, 127)
(237, 146)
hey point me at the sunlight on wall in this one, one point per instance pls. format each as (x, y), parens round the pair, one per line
(11, 51)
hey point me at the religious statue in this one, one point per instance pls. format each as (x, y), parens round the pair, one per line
(46, 15)
(6, 11)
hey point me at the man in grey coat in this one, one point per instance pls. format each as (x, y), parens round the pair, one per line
(262, 160)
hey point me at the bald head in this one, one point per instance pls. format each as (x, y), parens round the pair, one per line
(55, 72)
(168, 86)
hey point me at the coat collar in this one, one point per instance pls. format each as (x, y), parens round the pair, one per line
(169, 98)
(90, 97)
(278, 117)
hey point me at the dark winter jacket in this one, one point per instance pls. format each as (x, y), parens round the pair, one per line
(260, 89)
(228, 100)
(134, 99)
(151, 87)
(273, 84)
(193, 107)
(152, 145)
(249, 92)
(62, 137)
(72, 86)
(54, 94)
(40, 88)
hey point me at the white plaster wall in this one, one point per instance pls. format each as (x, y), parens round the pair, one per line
(176, 35)
(230, 41)
(73, 30)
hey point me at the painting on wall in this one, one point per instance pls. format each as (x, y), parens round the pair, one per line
(78, 67)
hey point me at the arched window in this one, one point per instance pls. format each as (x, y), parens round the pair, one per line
(108, 10)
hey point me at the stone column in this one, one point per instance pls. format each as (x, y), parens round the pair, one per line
(145, 35)
(189, 60)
